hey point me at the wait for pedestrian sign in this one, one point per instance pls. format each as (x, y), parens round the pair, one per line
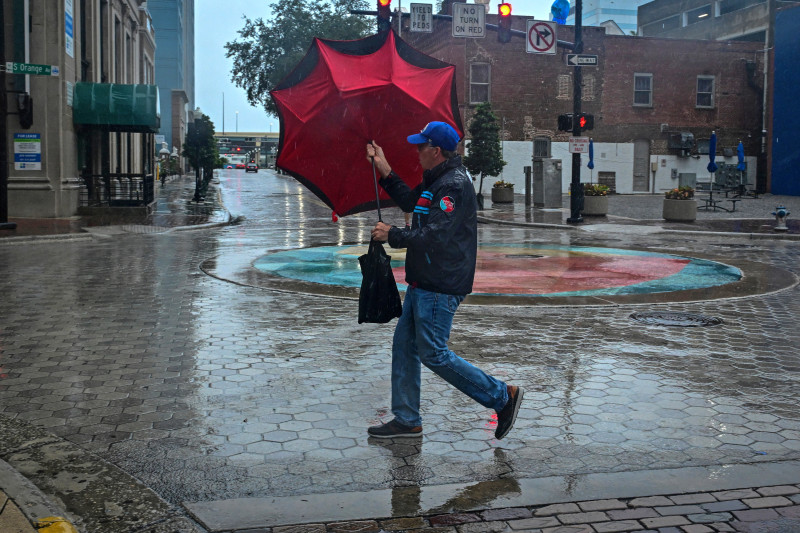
(31, 68)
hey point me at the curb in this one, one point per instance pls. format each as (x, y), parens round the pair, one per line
(38, 468)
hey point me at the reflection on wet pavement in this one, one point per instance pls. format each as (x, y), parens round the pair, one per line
(209, 390)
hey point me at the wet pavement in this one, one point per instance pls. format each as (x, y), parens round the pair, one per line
(224, 400)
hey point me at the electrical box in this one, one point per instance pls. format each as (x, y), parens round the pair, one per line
(541, 148)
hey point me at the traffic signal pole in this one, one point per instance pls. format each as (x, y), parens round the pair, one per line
(576, 190)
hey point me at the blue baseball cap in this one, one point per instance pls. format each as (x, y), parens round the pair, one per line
(439, 134)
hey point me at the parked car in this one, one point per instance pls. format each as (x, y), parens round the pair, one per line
(229, 166)
(251, 167)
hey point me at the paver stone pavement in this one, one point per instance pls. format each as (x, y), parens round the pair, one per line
(139, 393)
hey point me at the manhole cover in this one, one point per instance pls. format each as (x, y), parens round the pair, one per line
(676, 319)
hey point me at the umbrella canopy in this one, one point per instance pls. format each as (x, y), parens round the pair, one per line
(740, 154)
(712, 152)
(591, 154)
(344, 94)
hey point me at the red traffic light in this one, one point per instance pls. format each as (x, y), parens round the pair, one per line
(384, 3)
(238, 149)
(504, 9)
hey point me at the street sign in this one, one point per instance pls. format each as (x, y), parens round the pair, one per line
(541, 37)
(579, 145)
(30, 68)
(469, 20)
(581, 60)
(422, 18)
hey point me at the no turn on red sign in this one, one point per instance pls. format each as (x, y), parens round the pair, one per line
(541, 37)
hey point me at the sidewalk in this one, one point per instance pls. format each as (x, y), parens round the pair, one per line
(43, 475)
(174, 210)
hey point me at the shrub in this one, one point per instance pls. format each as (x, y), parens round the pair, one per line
(681, 193)
(503, 185)
(595, 189)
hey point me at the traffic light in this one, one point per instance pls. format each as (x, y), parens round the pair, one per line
(25, 106)
(384, 15)
(586, 121)
(504, 22)
(565, 122)
(238, 148)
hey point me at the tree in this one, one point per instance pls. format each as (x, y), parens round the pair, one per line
(200, 149)
(485, 154)
(267, 51)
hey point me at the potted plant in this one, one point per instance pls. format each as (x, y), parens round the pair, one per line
(595, 199)
(502, 192)
(680, 205)
(484, 155)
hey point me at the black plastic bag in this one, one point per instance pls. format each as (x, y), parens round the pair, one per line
(379, 299)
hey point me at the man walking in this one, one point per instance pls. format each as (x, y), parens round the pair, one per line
(441, 249)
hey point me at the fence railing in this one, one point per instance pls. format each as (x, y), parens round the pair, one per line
(117, 190)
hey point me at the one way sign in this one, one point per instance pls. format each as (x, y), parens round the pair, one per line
(581, 60)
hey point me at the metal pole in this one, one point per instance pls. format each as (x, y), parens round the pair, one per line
(576, 191)
(4, 223)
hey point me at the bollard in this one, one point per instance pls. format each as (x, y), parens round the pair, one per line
(780, 214)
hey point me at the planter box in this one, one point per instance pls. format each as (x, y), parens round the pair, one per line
(596, 206)
(680, 210)
(502, 195)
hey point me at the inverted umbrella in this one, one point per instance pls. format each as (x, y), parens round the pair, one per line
(712, 153)
(591, 154)
(344, 94)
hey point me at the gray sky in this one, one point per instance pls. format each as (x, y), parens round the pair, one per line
(217, 22)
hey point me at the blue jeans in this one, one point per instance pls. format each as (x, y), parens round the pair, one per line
(420, 338)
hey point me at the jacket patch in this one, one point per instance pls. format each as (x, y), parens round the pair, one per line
(447, 204)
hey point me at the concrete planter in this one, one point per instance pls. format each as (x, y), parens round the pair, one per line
(502, 195)
(680, 210)
(596, 206)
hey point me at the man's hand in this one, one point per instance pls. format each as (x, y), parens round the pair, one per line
(380, 232)
(381, 165)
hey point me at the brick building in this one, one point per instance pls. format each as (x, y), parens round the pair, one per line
(646, 95)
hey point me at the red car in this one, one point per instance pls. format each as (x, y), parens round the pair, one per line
(239, 165)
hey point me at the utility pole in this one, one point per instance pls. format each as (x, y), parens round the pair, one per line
(4, 223)
(576, 190)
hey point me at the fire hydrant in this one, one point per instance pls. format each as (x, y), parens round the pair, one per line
(781, 214)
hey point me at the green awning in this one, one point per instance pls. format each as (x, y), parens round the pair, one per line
(117, 107)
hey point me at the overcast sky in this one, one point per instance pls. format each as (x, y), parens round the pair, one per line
(217, 22)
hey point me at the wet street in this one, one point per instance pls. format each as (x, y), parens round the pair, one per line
(172, 357)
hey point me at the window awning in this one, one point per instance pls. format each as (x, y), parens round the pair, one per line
(117, 107)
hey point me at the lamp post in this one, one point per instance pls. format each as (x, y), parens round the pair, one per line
(237, 122)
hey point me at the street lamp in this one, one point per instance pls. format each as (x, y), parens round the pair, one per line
(237, 122)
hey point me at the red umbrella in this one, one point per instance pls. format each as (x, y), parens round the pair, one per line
(344, 94)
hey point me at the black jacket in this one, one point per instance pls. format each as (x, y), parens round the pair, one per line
(442, 243)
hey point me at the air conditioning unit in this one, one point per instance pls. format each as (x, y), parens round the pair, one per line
(683, 141)
(664, 128)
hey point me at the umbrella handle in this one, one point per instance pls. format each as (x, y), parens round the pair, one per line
(377, 196)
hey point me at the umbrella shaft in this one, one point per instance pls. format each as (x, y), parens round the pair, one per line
(377, 195)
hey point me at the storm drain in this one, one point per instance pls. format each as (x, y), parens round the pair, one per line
(675, 319)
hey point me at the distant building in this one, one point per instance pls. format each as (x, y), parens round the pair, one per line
(655, 102)
(174, 24)
(598, 12)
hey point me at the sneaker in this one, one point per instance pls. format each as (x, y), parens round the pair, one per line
(507, 416)
(393, 429)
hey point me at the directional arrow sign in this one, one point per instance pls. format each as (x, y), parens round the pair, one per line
(581, 60)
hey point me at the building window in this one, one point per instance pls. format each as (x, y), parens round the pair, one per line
(698, 15)
(479, 78)
(564, 89)
(661, 26)
(587, 91)
(705, 91)
(643, 90)
(727, 6)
